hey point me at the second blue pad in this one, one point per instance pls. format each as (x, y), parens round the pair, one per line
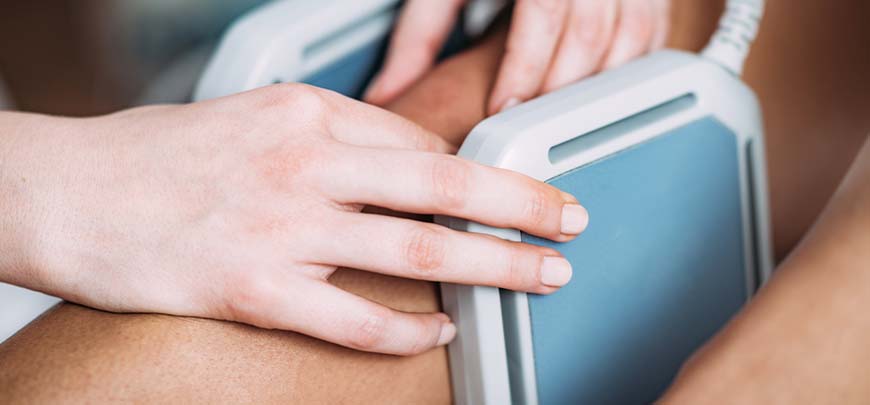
(659, 269)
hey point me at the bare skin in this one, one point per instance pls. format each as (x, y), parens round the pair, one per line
(803, 339)
(89, 356)
(103, 352)
(76, 354)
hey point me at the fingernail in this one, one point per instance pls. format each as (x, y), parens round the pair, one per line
(574, 219)
(510, 103)
(555, 271)
(448, 332)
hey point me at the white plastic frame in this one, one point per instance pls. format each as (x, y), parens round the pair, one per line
(287, 40)
(520, 139)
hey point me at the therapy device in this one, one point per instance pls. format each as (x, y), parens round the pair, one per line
(667, 155)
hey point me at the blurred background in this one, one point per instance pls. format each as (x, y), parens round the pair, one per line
(84, 57)
(809, 68)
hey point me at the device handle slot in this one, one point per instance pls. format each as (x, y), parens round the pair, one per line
(602, 135)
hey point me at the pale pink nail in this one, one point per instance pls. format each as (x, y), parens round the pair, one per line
(574, 219)
(448, 332)
(555, 271)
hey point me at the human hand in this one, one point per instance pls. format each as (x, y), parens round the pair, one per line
(241, 208)
(551, 43)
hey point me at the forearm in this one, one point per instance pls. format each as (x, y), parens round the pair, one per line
(803, 339)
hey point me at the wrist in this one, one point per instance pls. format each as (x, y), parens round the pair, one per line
(29, 165)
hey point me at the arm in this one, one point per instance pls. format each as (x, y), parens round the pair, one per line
(77, 353)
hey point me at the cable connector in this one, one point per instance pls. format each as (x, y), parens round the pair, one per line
(737, 30)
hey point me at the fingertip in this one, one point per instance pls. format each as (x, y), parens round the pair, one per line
(372, 94)
(575, 219)
(559, 79)
(443, 146)
(556, 271)
(546, 290)
(442, 317)
(498, 107)
(448, 333)
(394, 80)
(509, 103)
(492, 108)
(388, 84)
(552, 85)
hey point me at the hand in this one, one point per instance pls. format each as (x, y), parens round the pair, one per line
(241, 208)
(551, 43)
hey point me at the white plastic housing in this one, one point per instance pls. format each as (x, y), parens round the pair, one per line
(520, 139)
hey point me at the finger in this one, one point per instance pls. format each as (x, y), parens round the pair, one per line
(584, 43)
(662, 23)
(420, 33)
(634, 30)
(361, 124)
(428, 183)
(535, 30)
(329, 313)
(410, 249)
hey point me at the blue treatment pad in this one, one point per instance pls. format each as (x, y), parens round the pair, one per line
(658, 271)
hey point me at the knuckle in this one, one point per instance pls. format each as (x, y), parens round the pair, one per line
(298, 98)
(515, 275)
(521, 271)
(248, 294)
(449, 183)
(370, 332)
(425, 251)
(427, 333)
(535, 210)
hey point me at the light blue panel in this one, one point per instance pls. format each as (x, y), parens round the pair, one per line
(350, 75)
(657, 272)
